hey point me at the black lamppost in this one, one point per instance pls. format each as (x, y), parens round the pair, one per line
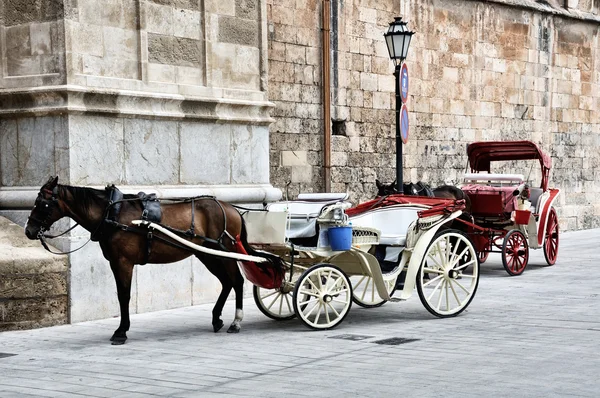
(397, 39)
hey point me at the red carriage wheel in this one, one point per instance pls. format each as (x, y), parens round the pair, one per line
(515, 252)
(551, 238)
(482, 256)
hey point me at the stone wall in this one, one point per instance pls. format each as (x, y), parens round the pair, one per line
(165, 96)
(495, 70)
(33, 282)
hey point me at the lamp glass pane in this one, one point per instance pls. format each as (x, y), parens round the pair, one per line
(390, 45)
(405, 45)
(398, 45)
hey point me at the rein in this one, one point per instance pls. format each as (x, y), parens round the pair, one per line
(42, 237)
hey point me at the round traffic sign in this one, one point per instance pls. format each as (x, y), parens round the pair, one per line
(404, 124)
(404, 83)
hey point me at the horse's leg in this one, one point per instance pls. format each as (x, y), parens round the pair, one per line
(238, 286)
(217, 269)
(123, 271)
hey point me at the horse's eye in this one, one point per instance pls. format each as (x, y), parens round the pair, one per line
(46, 205)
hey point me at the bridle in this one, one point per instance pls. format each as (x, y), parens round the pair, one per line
(48, 207)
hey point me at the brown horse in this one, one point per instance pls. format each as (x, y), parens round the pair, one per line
(204, 221)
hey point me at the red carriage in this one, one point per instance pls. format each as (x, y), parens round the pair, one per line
(510, 216)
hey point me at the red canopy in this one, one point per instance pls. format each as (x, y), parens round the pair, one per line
(481, 154)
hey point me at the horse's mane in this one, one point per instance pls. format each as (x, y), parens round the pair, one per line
(84, 197)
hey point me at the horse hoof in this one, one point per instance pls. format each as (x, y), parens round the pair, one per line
(233, 329)
(118, 340)
(218, 326)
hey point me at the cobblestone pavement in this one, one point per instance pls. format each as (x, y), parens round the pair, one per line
(535, 335)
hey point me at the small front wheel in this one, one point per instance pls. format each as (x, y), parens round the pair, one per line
(515, 252)
(322, 296)
(449, 274)
(278, 303)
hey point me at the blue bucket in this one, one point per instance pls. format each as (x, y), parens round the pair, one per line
(340, 238)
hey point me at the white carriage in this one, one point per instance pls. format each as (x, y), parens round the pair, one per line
(395, 238)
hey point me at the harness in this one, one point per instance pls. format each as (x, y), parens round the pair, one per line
(152, 212)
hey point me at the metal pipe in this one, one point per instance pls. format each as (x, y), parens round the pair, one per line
(326, 33)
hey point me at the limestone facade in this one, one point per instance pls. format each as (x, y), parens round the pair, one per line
(479, 70)
(164, 96)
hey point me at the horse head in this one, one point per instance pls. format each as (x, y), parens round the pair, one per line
(386, 189)
(46, 210)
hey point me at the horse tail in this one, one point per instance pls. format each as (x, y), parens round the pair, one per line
(274, 260)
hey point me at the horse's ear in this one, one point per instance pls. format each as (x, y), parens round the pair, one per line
(52, 182)
(378, 183)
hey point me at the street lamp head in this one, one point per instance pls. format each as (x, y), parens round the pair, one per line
(397, 39)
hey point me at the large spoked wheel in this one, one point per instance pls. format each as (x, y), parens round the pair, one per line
(322, 296)
(449, 274)
(551, 238)
(515, 252)
(364, 291)
(277, 303)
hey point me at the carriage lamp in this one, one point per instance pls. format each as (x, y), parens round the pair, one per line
(397, 39)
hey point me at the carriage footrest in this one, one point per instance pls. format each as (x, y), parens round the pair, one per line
(396, 299)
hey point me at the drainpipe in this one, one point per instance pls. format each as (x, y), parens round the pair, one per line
(326, 96)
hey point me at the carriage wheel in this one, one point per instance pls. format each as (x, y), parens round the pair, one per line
(482, 256)
(515, 252)
(277, 303)
(322, 296)
(364, 291)
(551, 242)
(449, 274)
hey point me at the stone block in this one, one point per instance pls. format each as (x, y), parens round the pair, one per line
(26, 286)
(164, 286)
(238, 31)
(250, 154)
(9, 161)
(93, 291)
(161, 73)
(282, 15)
(151, 152)
(91, 12)
(221, 7)
(381, 100)
(33, 312)
(295, 54)
(159, 19)
(19, 12)
(247, 9)
(294, 158)
(205, 144)
(189, 75)
(40, 39)
(368, 81)
(123, 45)
(173, 50)
(86, 39)
(186, 23)
(96, 150)
(205, 286)
(302, 174)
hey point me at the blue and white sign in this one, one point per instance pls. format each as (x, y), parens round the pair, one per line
(404, 124)
(404, 83)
